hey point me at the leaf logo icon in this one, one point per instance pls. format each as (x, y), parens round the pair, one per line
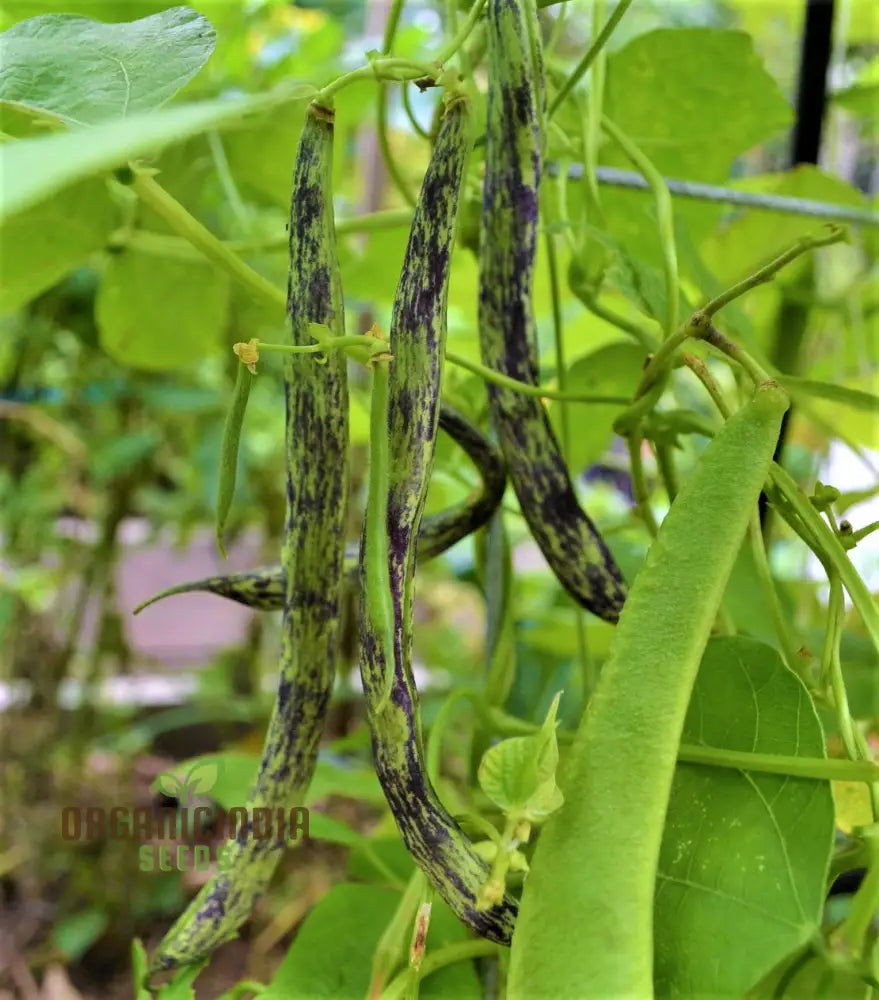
(186, 786)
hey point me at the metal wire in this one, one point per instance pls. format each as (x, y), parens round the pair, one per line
(747, 199)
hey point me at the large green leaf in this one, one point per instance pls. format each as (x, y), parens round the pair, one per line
(51, 239)
(670, 90)
(88, 72)
(744, 856)
(757, 235)
(35, 169)
(331, 955)
(613, 370)
(160, 314)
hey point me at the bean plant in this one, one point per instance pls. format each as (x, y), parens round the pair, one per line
(664, 811)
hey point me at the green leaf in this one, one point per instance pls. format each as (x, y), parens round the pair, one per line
(391, 853)
(744, 856)
(74, 935)
(331, 955)
(88, 72)
(160, 314)
(34, 169)
(51, 239)
(518, 774)
(862, 97)
(756, 236)
(613, 370)
(180, 987)
(670, 91)
(122, 455)
(333, 831)
(828, 390)
(351, 781)
(139, 969)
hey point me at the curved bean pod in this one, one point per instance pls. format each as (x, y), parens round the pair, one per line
(586, 923)
(507, 246)
(417, 335)
(312, 556)
(263, 589)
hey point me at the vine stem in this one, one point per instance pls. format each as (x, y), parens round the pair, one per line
(151, 193)
(583, 65)
(375, 557)
(766, 273)
(540, 391)
(433, 960)
(664, 218)
(764, 575)
(587, 669)
(815, 768)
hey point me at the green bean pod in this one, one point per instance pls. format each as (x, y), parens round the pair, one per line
(312, 555)
(229, 450)
(263, 589)
(417, 336)
(586, 922)
(507, 247)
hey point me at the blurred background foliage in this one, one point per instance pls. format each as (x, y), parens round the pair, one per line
(115, 373)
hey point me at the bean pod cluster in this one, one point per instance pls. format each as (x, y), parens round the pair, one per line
(407, 411)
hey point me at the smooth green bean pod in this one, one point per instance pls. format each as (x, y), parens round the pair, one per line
(229, 450)
(507, 331)
(312, 556)
(263, 589)
(417, 336)
(586, 923)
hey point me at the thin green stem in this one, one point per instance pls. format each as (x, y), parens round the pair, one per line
(380, 606)
(770, 594)
(417, 127)
(700, 370)
(635, 330)
(353, 340)
(227, 181)
(391, 25)
(462, 951)
(162, 245)
(463, 33)
(666, 463)
(151, 193)
(384, 145)
(394, 218)
(438, 729)
(815, 768)
(829, 549)
(388, 68)
(557, 29)
(586, 666)
(639, 483)
(768, 271)
(592, 124)
(732, 350)
(539, 391)
(391, 948)
(583, 65)
(664, 219)
(861, 533)
(851, 937)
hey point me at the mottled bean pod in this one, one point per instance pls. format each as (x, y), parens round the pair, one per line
(417, 337)
(507, 247)
(312, 556)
